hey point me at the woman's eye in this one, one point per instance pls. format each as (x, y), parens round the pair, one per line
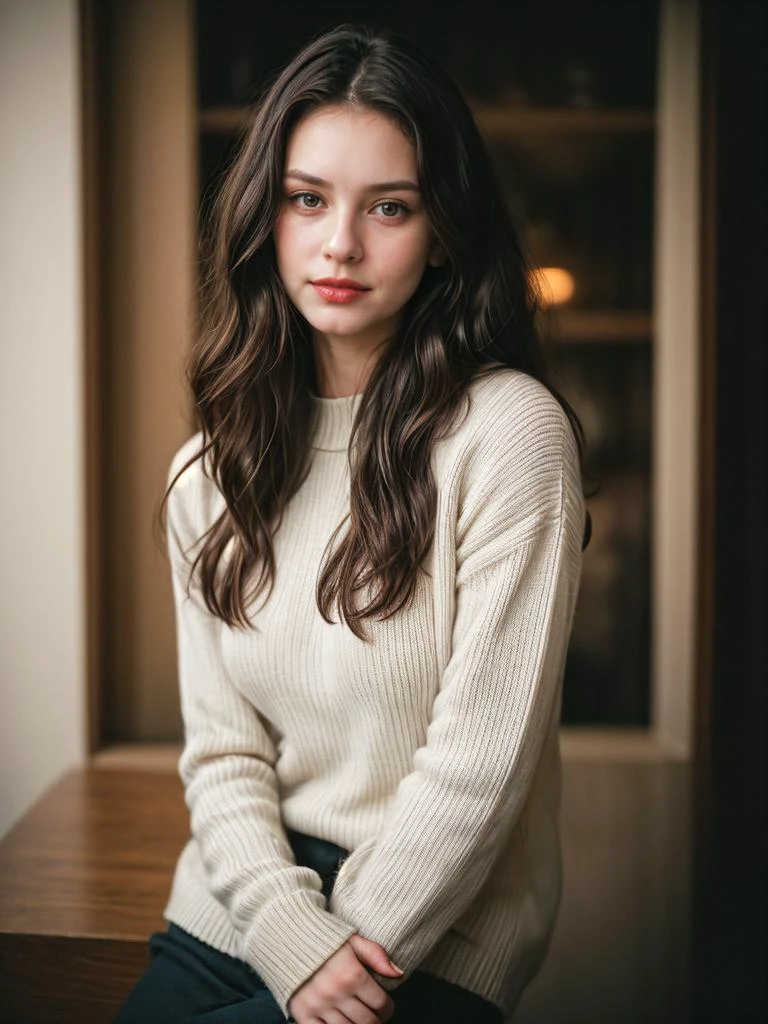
(306, 200)
(391, 210)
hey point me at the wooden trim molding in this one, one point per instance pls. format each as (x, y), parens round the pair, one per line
(675, 379)
(91, 96)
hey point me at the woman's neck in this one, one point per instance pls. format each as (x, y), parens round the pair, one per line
(343, 366)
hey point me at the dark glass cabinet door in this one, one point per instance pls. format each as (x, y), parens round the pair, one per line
(565, 97)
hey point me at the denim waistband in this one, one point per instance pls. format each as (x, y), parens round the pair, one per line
(323, 857)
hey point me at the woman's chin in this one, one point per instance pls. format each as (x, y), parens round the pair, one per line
(348, 328)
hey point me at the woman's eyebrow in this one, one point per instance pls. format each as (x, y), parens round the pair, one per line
(402, 185)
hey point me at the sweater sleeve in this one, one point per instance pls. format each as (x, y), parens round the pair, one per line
(227, 767)
(518, 563)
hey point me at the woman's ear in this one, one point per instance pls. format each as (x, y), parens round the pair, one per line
(437, 255)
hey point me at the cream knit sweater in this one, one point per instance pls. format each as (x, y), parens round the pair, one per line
(431, 753)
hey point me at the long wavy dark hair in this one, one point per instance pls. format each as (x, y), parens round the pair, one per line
(252, 372)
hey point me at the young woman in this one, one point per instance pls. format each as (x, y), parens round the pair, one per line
(376, 543)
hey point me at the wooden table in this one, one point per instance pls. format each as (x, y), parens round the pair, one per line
(84, 877)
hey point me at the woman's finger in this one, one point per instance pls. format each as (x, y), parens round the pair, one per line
(377, 999)
(337, 1017)
(356, 1011)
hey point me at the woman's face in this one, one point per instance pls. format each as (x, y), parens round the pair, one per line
(352, 238)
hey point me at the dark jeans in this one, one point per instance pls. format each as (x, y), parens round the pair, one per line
(188, 982)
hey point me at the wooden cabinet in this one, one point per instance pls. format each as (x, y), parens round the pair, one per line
(591, 116)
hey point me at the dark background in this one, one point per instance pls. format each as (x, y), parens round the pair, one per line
(729, 790)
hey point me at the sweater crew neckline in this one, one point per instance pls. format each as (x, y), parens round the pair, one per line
(333, 422)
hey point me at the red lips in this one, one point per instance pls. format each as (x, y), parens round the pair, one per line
(339, 289)
(340, 282)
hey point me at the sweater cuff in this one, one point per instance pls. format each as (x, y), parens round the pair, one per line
(291, 939)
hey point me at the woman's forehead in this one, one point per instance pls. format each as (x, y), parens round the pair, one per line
(357, 140)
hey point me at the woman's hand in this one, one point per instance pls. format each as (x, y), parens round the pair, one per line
(342, 989)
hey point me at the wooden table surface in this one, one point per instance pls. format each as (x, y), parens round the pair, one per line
(84, 877)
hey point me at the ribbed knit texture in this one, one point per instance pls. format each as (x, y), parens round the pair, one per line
(431, 753)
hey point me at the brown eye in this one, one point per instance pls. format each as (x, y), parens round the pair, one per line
(390, 209)
(306, 200)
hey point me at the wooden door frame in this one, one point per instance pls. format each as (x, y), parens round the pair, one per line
(140, 214)
(92, 100)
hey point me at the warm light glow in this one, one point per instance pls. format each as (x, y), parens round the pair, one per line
(554, 285)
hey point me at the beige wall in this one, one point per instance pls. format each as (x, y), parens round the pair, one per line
(42, 635)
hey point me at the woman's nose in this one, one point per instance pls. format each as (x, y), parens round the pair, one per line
(343, 241)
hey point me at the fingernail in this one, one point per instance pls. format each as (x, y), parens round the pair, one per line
(396, 968)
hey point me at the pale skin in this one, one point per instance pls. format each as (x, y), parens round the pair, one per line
(336, 221)
(351, 210)
(342, 990)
